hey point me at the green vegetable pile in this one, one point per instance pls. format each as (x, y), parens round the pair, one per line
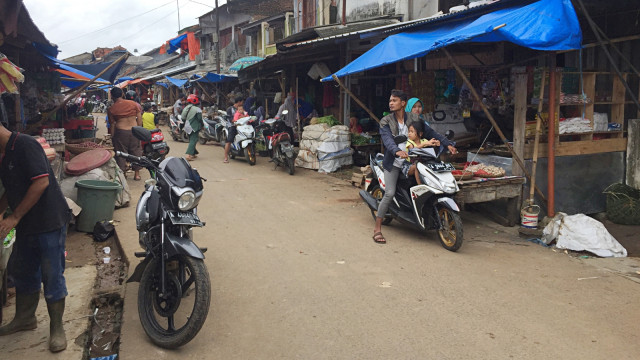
(329, 120)
(359, 140)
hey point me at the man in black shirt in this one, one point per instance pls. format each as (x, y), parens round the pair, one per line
(40, 215)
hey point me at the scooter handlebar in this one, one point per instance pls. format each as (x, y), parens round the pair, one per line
(131, 158)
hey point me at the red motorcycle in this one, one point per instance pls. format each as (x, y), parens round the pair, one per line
(157, 148)
(278, 142)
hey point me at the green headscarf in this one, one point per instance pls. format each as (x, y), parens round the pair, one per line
(412, 102)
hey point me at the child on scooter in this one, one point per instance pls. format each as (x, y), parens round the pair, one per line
(240, 113)
(415, 140)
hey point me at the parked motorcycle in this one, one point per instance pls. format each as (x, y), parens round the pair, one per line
(278, 142)
(243, 144)
(213, 129)
(156, 148)
(427, 206)
(176, 127)
(175, 291)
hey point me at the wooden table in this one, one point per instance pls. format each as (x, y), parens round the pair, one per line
(485, 190)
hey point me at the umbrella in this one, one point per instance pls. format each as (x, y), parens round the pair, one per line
(244, 62)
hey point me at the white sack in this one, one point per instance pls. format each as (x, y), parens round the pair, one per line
(330, 162)
(307, 159)
(582, 233)
(315, 132)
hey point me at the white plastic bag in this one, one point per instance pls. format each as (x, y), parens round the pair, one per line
(582, 233)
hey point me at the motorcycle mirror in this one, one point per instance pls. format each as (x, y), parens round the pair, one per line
(449, 134)
(141, 133)
(400, 139)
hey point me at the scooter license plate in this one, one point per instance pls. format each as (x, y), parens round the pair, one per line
(184, 218)
(440, 167)
(157, 146)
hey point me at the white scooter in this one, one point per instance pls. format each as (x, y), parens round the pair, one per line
(244, 144)
(427, 206)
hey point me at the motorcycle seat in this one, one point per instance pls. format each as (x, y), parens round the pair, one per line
(155, 131)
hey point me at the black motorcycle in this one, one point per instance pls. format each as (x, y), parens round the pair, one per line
(175, 291)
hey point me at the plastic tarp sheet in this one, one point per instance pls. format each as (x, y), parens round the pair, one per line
(213, 78)
(582, 233)
(176, 82)
(547, 25)
(87, 71)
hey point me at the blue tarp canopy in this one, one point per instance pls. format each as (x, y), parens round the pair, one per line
(174, 44)
(87, 71)
(177, 82)
(213, 78)
(548, 25)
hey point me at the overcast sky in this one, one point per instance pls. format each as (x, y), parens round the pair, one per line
(78, 26)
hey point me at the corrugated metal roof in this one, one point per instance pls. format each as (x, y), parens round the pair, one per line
(366, 33)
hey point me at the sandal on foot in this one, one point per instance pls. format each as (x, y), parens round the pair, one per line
(226, 161)
(378, 238)
(137, 178)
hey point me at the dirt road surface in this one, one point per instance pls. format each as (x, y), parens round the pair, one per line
(296, 275)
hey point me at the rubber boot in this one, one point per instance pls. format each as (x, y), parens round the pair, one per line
(25, 319)
(57, 337)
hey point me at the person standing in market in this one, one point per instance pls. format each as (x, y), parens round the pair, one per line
(178, 106)
(192, 116)
(123, 116)
(40, 216)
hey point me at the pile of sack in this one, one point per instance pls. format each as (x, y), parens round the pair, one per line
(325, 148)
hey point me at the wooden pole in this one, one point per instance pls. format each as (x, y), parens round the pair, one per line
(536, 142)
(551, 135)
(204, 91)
(491, 119)
(355, 98)
(46, 115)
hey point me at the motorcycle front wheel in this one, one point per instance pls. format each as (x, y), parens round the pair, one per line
(174, 319)
(377, 193)
(450, 233)
(251, 154)
(203, 141)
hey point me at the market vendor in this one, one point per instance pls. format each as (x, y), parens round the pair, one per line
(40, 216)
(354, 127)
(124, 115)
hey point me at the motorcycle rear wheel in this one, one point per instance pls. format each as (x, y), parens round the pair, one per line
(291, 165)
(451, 234)
(251, 154)
(377, 193)
(184, 137)
(184, 276)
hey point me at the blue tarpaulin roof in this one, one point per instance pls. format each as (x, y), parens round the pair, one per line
(174, 44)
(88, 71)
(548, 25)
(177, 82)
(213, 78)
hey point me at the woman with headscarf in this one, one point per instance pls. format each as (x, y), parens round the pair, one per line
(414, 105)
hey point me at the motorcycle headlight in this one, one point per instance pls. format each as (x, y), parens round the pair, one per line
(186, 201)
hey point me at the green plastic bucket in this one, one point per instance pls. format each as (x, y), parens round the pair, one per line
(97, 199)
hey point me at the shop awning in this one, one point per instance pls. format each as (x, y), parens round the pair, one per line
(547, 25)
(213, 78)
(83, 71)
(177, 82)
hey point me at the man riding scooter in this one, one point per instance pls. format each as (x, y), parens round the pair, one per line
(394, 124)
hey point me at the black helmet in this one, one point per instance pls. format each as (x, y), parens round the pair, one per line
(130, 95)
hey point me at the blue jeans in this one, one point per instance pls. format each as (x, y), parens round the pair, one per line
(39, 258)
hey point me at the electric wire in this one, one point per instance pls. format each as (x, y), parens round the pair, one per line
(137, 32)
(114, 24)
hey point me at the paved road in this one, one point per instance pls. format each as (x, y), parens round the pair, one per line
(295, 275)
